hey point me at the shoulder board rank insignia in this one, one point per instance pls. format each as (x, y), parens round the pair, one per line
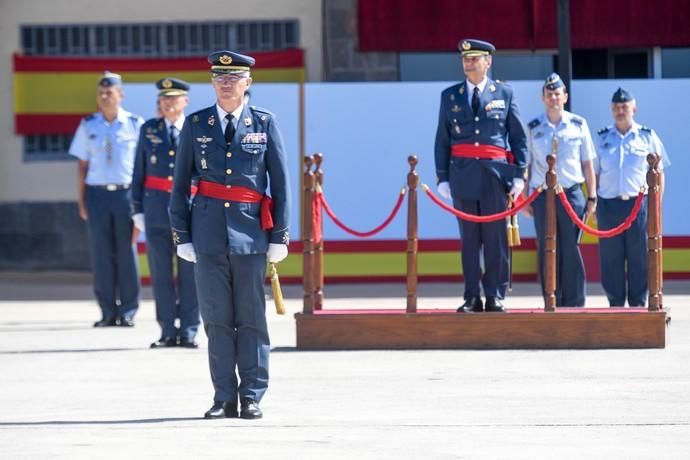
(534, 123)
(204, 140)
(211, 120)
(195, 119)
(646, 128)
(247, 121)
(577, 121)
(492, 88)
(603, 130)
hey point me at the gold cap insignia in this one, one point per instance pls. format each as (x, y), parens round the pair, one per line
(166, 84)
(225, 59)
(466, 45)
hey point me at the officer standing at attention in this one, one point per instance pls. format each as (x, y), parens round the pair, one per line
(229, 230)
(478, 120)
(105, 144)
(151, 187)
(574, 165)
(621, 168)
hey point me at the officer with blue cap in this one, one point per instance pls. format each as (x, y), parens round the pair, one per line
(480, 155)
(151, 187)
(621, 167)
(574, 166)
(232, 228)
(105, 144)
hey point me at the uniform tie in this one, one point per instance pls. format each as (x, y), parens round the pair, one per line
(229, 129)
(475, 100)
(173, 136)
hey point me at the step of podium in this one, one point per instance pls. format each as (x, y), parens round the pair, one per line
(566, 328)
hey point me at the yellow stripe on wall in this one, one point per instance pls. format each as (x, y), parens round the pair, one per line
(75, 92)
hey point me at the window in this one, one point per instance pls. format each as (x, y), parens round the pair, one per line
(162, 39)
(47, 148)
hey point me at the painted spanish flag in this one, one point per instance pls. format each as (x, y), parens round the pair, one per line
(51, 94)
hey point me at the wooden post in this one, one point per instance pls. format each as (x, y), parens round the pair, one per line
(318, 245)
(308, 238)
(550, 232)
(654, 243)
(412, 235)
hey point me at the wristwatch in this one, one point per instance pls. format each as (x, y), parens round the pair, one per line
(593, 199)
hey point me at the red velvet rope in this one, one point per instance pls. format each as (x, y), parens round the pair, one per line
(519, 204)
(322, 200)
(615, 231)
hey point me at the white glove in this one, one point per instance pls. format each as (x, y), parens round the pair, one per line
(276, 252)
(138, 220)
(444, 190)
(518, 187)
(186, 251)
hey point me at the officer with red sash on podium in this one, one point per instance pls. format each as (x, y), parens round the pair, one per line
(478, 123)
(231, 229)
(151, 186)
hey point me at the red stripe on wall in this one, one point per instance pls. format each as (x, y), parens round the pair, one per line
(46, 124)
(292, 57)
(528, 244)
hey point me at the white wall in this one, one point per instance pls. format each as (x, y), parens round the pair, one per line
(367, 130)
(22, 181)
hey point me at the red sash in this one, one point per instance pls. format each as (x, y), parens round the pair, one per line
(240, 195)
(484, 152)
(162, 183)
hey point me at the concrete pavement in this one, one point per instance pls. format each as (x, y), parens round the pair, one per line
(70, 391)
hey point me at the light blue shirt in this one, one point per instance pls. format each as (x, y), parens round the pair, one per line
(109, 148)
(622, 161)
(574, 146)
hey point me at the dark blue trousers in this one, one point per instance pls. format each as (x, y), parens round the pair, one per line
(487, 239)
(233, 309)
(113, 260)
(161, 256)
(570, 268)
(623, 258)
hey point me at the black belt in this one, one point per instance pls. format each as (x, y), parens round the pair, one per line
(111, 187)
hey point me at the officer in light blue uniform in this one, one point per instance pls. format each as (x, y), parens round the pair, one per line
(105, 145)
(621, 169)
(233, 150)
(151, 187)
(478, 122)
(574, 165)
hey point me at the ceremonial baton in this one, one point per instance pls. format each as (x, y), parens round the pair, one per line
(277, 292)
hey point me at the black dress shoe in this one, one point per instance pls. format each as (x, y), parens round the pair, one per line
(471, 305)
(165, 342)
(105, 322)
(126, 322)
(494, 305)
(250, 410)
(188, 343)
(222, 409)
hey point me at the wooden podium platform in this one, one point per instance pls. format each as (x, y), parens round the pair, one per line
(570, 328)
